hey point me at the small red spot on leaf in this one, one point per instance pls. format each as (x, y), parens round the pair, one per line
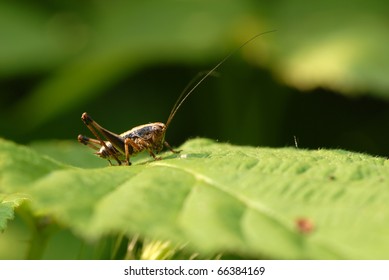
(304, 225)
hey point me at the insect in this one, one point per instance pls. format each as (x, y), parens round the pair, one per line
(149, 137)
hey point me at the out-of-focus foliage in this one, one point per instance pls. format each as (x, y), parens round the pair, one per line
(125, 62)
(336, 45)
(82, 50)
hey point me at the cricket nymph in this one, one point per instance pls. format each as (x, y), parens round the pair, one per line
(149, 137)
(121, 147)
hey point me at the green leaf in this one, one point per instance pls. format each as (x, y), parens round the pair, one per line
(7, 205)
(68, 152)
(253, 202)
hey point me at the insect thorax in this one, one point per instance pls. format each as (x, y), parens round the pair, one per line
(151, 131)
(148, 136)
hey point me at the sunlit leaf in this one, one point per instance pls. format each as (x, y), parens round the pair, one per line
(255, 202)
(8, 203)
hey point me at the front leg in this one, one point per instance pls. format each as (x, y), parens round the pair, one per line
(153, 155)
(170, 148)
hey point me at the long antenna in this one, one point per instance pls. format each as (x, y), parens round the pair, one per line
(181, 99)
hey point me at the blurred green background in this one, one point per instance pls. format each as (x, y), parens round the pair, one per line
(322, 77)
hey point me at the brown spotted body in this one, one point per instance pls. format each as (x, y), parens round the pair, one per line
(120, 147)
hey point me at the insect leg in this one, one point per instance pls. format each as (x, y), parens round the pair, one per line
(170, 148)
(91, 143)
(153, 155)
(128, 142)
(94, 127)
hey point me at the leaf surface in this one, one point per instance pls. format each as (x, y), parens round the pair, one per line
(255, 202)
(8, 203)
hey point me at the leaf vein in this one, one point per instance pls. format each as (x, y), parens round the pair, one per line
(257, 206)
